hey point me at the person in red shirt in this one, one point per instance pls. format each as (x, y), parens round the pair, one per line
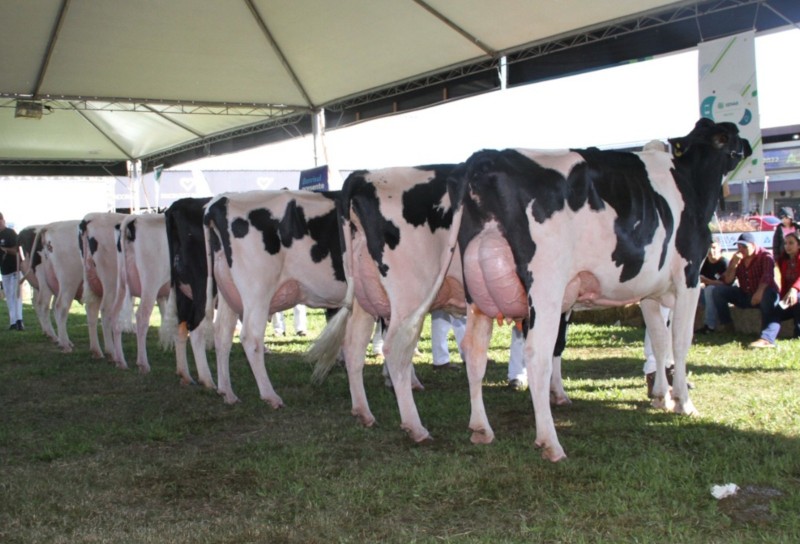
(789, 265)
(754, 269)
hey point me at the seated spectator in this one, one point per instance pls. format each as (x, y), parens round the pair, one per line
(710, 276)
(789, 265)
(788, 225)
(754, 269)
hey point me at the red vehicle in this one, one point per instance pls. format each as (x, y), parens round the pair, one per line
(764, 222)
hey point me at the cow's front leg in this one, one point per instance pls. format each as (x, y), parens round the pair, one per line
(475, 346)
(682, 325)
(538, 360)
(659, 334)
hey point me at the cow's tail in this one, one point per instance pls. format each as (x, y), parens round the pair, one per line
(125, 317)
(89, 296)
(326, 349)
(210, 277)
(169, 323)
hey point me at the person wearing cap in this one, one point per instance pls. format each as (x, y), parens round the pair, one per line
(754, 268)
(788, 225)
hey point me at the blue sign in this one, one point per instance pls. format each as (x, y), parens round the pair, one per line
(315, 179)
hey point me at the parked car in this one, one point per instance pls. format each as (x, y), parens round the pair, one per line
(764, 222)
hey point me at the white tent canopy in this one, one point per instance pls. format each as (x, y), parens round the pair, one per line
(165, 81)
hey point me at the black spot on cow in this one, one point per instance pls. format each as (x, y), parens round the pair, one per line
(324, 230)
(240, 227)
(269, 227)
(359, 195)
(422, 204)
(620, 179)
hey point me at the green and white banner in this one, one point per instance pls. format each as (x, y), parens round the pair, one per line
(728, 92)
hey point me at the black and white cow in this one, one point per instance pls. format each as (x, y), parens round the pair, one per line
(272, 250)
(543, 232)
(186, 306)
(398, 227)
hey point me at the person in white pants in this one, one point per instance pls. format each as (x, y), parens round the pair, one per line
(300, 325)
(9, 269)
(441, 323)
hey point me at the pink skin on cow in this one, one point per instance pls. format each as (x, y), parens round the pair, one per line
(62, 274)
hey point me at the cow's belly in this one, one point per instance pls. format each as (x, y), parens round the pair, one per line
(491, 277)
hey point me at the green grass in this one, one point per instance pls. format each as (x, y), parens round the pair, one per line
(89, 453)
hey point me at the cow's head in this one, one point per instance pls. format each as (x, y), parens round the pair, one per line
(722, 137)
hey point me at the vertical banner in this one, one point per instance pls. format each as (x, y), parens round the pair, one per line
(728, 92)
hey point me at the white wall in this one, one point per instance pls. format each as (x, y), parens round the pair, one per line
(28, 201)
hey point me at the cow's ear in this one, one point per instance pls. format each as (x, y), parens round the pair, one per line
(679, 146)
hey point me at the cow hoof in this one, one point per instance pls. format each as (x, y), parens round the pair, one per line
(121, 366)
(97, 355)
(481, 436)
(419, 436)
(228, 397)
(144, 369)
(686, 408)
(554, 455)
(559, 400)
(367, 420)
(186, 380)
(208, 384)
(417, 387)
(66, 349)
(275, 402)
(663, 403)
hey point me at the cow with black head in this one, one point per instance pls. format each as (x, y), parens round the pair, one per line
(544, 232)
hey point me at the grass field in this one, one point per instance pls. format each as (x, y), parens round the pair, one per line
(91, 454)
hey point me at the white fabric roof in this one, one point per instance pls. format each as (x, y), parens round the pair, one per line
(128, 79)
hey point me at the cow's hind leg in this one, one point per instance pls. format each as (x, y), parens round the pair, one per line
(539, 345)
(224, 327)
(143, 314)
(474, 347)
(398, 349)
(62, 307)
(357, 336)
(254, 324)
(181, 361)
(198, 339)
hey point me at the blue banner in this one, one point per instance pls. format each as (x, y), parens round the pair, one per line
(315, 179)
